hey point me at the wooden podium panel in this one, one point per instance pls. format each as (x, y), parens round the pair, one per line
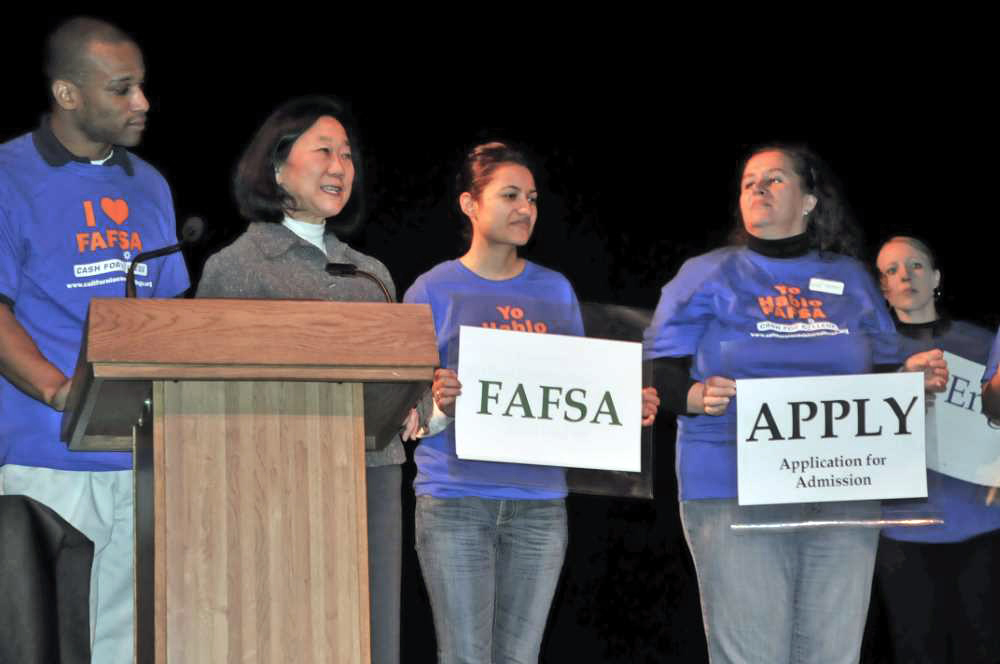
(246, 418)
(259, 489)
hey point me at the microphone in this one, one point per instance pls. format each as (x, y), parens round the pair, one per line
(351, 270)
(191, 232)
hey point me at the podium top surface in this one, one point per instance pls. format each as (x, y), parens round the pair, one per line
(220, 339)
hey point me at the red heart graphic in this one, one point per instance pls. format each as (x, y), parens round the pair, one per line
(117, 210)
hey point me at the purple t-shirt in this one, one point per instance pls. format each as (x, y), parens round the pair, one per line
(538, 300)
(67, 234)
(740, 314)
(961, 505)
(993, 360)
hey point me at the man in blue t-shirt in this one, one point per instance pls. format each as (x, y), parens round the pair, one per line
(75, 208)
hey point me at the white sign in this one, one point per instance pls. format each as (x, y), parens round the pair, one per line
(965, 446)
(548, 399)
(828, 438)
(103, 267)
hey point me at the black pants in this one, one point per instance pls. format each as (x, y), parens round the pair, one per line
(385, 527)
(942, 601)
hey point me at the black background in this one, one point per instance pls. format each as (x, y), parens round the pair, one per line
(637, 137)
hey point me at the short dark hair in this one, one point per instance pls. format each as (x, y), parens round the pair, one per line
(66, 46)
(830, 224)
(258, 195)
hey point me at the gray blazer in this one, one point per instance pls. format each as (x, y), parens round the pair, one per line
(271, 262)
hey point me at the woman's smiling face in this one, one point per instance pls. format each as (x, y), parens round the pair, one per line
(318, 172)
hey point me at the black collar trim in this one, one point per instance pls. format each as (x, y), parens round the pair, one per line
(787, 247)
(55, 153)
(930, 330)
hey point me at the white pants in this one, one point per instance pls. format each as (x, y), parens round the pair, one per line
(98, 504)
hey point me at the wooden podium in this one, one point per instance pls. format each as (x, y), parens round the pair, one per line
(246, 421)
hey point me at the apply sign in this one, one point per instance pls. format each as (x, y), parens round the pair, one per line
(548, 399)
(830, 438)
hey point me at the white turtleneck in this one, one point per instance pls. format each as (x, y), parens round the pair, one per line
(311, 233)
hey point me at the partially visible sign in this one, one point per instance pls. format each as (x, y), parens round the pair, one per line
(549, 399)
(966, 445)
(830, 438)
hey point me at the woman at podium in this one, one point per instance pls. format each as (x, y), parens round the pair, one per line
(299, 185)
(937, 583)
(787, 298)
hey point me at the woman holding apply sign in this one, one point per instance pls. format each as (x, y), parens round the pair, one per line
(937, 583)
(491, 537)
(787, 299)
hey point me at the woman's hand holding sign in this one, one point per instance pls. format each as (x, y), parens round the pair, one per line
(445, 389)
(711, 397)
(650, 404)
(934, 366)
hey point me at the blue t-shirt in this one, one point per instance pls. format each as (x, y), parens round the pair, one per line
(962, 505)
(740, 314)
(537, 300)
(993, 360)
(67, 234)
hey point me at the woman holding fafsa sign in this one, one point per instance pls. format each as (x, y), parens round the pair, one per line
(787, 299)
(937, 583)
(491, 537)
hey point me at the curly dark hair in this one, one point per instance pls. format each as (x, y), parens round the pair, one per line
(257, 192)
(830, 225)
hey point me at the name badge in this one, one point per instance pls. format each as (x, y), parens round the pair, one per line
(826, 286)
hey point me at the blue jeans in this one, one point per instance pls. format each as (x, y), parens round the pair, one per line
(780, 597)
(491, 569)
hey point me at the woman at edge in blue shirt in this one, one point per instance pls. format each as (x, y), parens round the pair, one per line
(937, 584)
(788, 299)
